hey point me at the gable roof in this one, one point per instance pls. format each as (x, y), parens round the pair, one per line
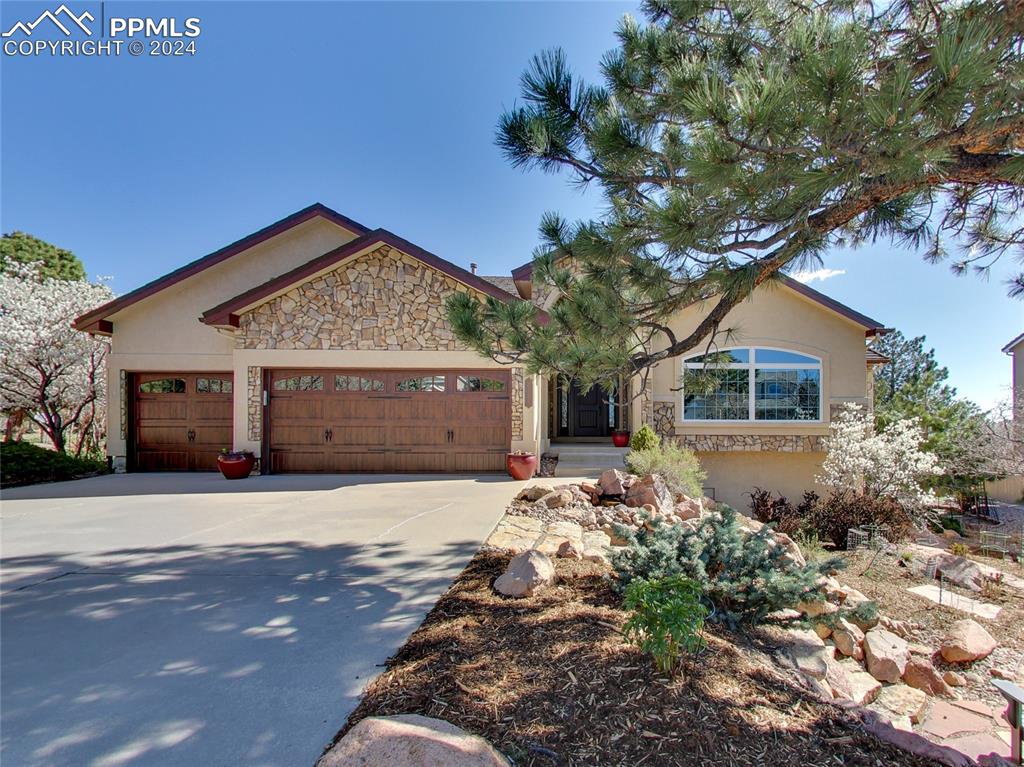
(96, 321)
(226, 312)
(1014, 342)
(524, 272)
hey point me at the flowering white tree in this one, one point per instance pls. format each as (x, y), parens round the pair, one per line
(55, 374)
(888, 463)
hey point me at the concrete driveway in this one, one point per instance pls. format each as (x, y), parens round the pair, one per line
(185, 620)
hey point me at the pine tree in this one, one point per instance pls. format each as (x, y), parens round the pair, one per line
(735, 141)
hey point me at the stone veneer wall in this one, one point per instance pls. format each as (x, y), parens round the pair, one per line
(383, 300)
(665, 419)
(254, 392)
(518, 387)
(781, 443)
(124, 404)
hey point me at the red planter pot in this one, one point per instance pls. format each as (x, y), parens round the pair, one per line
(521, 465)
(236, 465)
(620, 438)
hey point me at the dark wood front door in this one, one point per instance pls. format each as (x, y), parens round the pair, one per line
(181, 420)
(588, 412)
(388, 421)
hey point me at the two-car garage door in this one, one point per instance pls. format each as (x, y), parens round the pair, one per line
(388, 421)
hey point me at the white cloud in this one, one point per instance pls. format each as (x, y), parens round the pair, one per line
(817, 274)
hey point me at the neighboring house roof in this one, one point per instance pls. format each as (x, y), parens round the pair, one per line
(1013, 343)
(96, 320)
(523, 272)
(508, 284)
(226, 313)
(874, 358)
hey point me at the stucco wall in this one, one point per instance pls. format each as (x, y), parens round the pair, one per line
(163, 332)
(734, 475)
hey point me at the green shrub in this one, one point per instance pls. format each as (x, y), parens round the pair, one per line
(22, 463)
(834, 516)
(645, 438)
(667, 619)
(742, 574)
(779, 512)
(952, 523)
(678, 466)
(959, 549)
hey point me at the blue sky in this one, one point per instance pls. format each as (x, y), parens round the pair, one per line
(383, 111)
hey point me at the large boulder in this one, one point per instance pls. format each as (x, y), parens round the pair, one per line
(885, 654)
(922, 675)
(614, 482)
(534, 493)
(650, 489)
(966, 641)
(689, 508)
(526, 574)
(410, 740)
(808, 652)
(557, 498)
(848, 639)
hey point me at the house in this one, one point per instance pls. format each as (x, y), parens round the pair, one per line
(1011, 489)
(322, 346)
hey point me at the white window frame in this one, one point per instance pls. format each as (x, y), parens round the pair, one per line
(752, 366)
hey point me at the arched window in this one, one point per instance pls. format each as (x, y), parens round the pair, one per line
(752, 384)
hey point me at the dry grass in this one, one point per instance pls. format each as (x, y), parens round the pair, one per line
(549, 681)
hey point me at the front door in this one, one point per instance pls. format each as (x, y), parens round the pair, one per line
(588, 412)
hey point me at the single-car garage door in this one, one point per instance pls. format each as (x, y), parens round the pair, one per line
(181, 420)
(388, 421)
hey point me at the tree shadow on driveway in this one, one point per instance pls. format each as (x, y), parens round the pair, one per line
(204, 655)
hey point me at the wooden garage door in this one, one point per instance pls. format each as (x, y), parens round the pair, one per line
(182, 420)
(389, 421)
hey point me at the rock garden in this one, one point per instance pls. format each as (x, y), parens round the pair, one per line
(625, 622)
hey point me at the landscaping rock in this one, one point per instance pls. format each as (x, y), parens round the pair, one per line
(410, 740)
(953, 679)
(966, 641)
(526, 574)
(837, 680)
(650, 489)
(852, 597)
(689, 508)
(614, 482)
(998, 672)
(848, 639)
(864, 688)
(816, 608)
(885, 655)
(556, 499)
(614, 538)
(534, 493)
(900, 700)
(922, 675)
(570, 550)
(808, 652)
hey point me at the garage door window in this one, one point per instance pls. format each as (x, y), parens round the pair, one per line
(421, 383)
(213, 386)
(163, 386)
(476, 383)
(300, 383)
(357, 383)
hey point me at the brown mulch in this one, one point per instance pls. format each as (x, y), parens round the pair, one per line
(886, 583)
(549, 681)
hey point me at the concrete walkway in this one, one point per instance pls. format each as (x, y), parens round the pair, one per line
(186, 620)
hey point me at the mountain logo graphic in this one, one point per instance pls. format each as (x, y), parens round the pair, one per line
(55, 16)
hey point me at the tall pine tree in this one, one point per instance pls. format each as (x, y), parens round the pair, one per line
(732, 141)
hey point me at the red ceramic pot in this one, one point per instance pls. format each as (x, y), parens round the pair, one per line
(521, 465)
(236, 465)
(620, 438)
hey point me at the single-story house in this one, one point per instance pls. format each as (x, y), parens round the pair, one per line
(322, 346)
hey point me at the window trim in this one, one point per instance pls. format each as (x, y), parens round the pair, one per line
(752, 366)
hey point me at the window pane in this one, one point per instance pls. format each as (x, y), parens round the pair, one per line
(213, 386)
(300, 383)
(729, 400)
(777, 356)
(357, 383)
(476, 383)
(787, 395)
(722, 357)
(163, 386)
(424, 383)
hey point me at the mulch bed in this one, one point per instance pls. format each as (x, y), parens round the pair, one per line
(886, 582)
(549, 681)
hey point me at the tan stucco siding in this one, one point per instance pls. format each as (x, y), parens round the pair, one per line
(384, 299)
(732, 476)
(163, 331)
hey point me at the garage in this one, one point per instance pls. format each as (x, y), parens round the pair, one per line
(181, 421)
(388, 420)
